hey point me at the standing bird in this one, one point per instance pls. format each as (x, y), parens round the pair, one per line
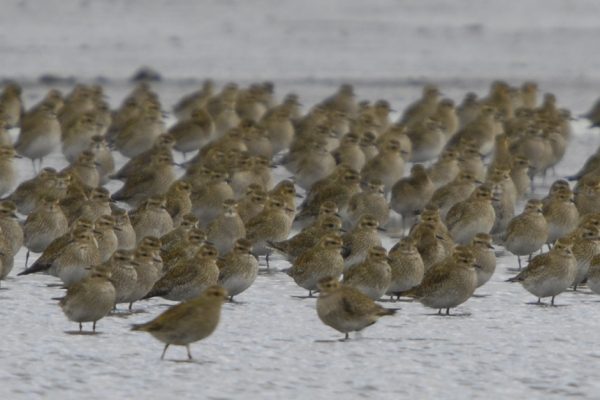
(593, 281)
(105, 162)
(40, 134)
(448, 283)
(155, 180)
(178, 201)
(387, 166)
(148, 267)
(561, 214)
(106, 237)
(271, 224)
(422, 108)
(238, 269)
(46, 223)
(308, 238)
(190, 277)
(549, 274)
(90, 299)
(11, 104)
(409, 195)
(228, 227)
(373, 276)
(360, 240)
(187, 322)
(10, 225)
(322, 260)
(458, 190)
(346, 309)
(8, 173)
(467, 218)
(123, 276)
(586, 244)
(370, 201)
(71, 265)
(407, 267)
(193, 134)
(124, 230)
(445, 169)
(526, 233)
(485, 257)
(29, 193)
(151, 218)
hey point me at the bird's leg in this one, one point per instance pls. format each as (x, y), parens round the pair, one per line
(519, 259)
(440, 311)
(552, 301)
(310, 293)
(529, 259)
(187, 346)
(26, 259)
(162, 356)
(533, 174)
(347, 337)
(130, 306)
(80, 327)
(539, 300)
(94, 326)
(267, 258)
(575, 287)
(448, 311)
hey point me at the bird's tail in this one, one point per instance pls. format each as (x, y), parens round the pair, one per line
(412, 293)
(386, 311)
(302, 214)
(154, 292)
(118, 196)
(149, 295)
(36, 267)
(276, 246)
(518, 278)
(139, 327)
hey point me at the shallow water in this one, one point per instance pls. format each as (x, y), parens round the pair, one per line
(271, 344)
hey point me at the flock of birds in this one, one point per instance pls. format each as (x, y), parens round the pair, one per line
(193, 232)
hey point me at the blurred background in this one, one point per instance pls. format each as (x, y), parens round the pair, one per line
(386, 43)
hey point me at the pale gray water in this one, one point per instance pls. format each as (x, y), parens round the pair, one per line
(270, 345)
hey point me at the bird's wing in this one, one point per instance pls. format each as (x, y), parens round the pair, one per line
(164, 322)
(435, 277)
(455, 214)
(356, 304)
